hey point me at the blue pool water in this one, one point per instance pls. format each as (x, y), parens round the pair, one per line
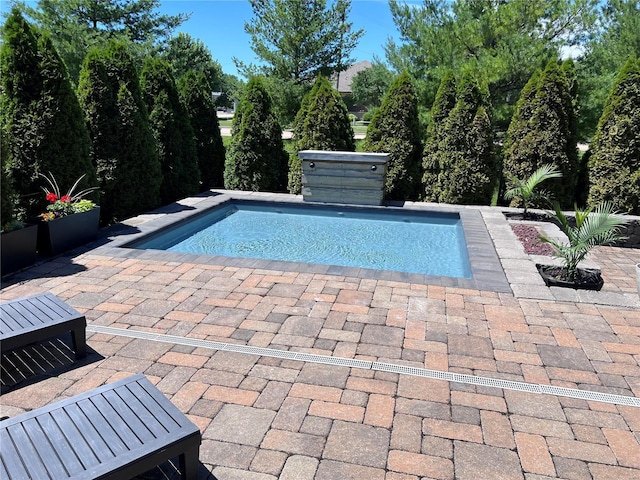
(414, 242)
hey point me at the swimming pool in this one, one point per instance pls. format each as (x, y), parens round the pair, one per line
(430, 243)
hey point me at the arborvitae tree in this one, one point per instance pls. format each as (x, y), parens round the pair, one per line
(210, 150)
(540, 133)
(256, 159)
(467, 169)
(395, 129)
(43, 121)
(614, 167)
(124, 148)
(172, 130)
(7, 198)
(444, 102)
(322, 124)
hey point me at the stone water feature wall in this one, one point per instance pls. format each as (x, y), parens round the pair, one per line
(343, 177)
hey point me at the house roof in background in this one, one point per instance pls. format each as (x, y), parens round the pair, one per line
(342, 81)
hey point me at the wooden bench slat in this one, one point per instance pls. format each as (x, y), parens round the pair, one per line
(50, 309)
(28, 453)
(93, 439)
(60, 442)
(148, 419)
(130, 418)
(25, 313)
(13, 319)
(93, 409)
(11, 458)
(45, 448)
(113, 419)
(167, 418)
(70, 432)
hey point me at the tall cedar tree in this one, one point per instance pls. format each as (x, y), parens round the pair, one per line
(195, 94)
(540, 133)
(42, 119)
(256, 159)
(124, 148)
(614, 167)
(7, 194)
(444, 102)
(321, 124)
(172, 130)
(395, 129)
(467, 168)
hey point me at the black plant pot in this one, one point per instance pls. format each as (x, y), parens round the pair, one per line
(587, 279)
(18, 248)
(65, 233)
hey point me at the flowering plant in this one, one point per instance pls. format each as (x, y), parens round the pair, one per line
(68, 204)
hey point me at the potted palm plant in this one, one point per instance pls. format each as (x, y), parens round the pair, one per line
(527, 190)
(70, 220)
(594, 226)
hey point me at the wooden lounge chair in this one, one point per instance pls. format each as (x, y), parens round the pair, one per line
(116, 431)
(38, 317)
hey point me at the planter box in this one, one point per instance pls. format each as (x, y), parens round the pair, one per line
(66, 233)
(18, 248)
(591, 279)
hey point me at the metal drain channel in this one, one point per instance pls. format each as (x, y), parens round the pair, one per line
(379, 366)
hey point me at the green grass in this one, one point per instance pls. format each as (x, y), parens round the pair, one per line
(225, 123)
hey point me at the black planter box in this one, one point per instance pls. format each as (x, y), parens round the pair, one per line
(66, 233)
(591, 279)
(18, 248)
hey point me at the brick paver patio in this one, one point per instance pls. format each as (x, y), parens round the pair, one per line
(265, 417)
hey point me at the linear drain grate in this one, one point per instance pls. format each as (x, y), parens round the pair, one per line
(509, 384)
(338, 361)
(379, 366)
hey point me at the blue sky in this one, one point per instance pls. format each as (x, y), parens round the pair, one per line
(219, 24)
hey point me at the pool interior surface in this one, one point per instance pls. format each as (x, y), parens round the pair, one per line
(430, 243)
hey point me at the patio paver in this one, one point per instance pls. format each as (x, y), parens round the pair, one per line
(267, 417)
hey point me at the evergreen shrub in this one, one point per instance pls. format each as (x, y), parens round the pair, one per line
(124, 149)
(210, 150)
(256, 159)
(614, 166)
(322, 123)
(43, 123)
(543, 131)
(395, 130)
(172, 130)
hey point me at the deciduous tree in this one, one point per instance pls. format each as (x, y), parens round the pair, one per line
(185, 54)
(76, 26)
(370, 85)
(503, 42)
(297, 40)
